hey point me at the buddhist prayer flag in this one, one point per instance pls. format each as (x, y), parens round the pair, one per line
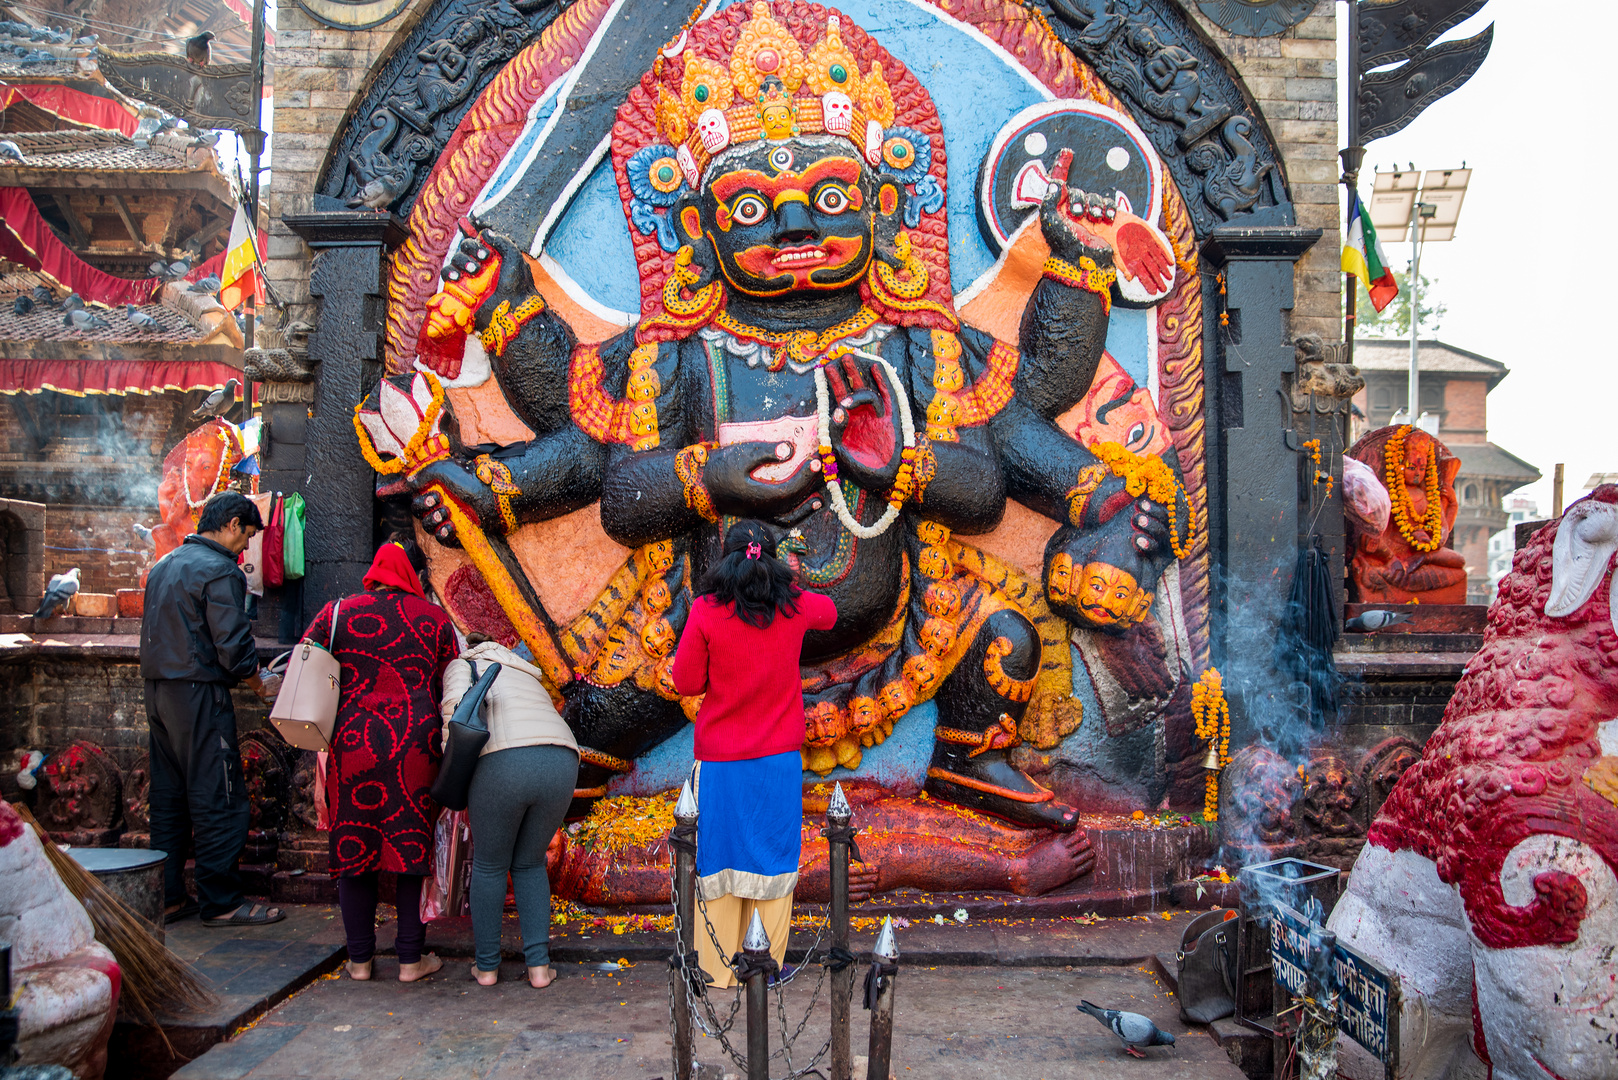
(240, 278)
(1363, 257)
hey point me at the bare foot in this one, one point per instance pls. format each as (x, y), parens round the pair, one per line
(1056, 860)
(359, 972)
(420, 969)
(541, 977)
(485, 978)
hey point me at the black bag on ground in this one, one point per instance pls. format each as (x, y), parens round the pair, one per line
(1206, 963)
(464, 738)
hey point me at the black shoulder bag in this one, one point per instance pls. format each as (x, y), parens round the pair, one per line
(464, 739)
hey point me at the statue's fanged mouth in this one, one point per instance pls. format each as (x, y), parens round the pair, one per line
(798, 257)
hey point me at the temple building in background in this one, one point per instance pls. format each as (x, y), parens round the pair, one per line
(1455, 386)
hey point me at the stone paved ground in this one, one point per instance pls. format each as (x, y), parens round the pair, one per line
(952, 1023)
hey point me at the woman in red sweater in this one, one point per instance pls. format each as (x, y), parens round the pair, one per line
(741, 647)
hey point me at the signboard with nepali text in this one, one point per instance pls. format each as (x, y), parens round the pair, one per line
(1367, 996)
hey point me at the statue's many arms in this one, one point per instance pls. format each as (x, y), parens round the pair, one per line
(798, 360)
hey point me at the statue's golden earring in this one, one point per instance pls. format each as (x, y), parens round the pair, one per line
(894, 290)
(685, 275)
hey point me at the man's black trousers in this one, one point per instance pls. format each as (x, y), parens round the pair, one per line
(198, 792)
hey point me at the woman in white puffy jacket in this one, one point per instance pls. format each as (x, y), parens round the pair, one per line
(520, 791)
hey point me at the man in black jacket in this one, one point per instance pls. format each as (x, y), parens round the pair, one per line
(195, 644)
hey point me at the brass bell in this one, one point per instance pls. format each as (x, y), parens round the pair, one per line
(1212, 760)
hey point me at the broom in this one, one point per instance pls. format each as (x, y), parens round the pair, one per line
(153, 977)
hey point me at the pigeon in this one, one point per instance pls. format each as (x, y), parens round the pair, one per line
(158, 268)
(1369, 622)
(198, 50)
(42, 295)
(179, 269)
(378, 195)
(58, 593)
(80, 319)
(140, 318)
(209, 284)
(142, 533)
(10, 151)
(73, 302)
(88, 40)
(170, 123)
(205, 141)
(217, 403)
(23, 305)
(1133, 1028)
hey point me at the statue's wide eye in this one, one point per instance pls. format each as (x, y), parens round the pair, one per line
(831, 200)
(749, 210)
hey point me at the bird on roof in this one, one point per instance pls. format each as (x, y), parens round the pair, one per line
(198, 50)
(218, 403)
(42, 295)
(140, 318)
(61, 589)
(73, 302)
(1134, 1029)
(10, 151)
(23, 305)
(88, 40)
(205, 141)
(170, 123)
(180, 268)
(209, 284)
(79, 319)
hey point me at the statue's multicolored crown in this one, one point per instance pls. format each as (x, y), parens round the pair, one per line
(769, 88)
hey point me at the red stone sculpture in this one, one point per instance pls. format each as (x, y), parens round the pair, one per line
(1490, 878)
(1408, 561)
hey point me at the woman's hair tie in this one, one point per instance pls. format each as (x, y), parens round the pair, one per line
(754, 551)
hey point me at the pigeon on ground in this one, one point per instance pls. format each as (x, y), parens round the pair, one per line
(1369, 622)
(42, 295)
(205, 141)
(58, 593)
(142, 533)
(1134, 1029)
(218, 403)
(198, 50)
(10, 151)
(209, 284)
(73, 302)
(79, 319)
(23, 305)
(140, 318)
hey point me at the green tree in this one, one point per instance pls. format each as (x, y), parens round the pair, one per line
(1393, 321)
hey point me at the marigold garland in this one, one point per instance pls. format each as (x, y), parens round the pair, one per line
(1313, 446)
(1393, 471)
(412, 450)
(1211, 712)
(1151, 476)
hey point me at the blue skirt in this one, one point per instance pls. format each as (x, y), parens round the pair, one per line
(750, 826)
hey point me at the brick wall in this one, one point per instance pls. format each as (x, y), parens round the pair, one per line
(1293, 78)
(1465, 411)
(99, 541)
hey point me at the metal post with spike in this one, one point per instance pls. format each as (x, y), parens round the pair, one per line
(879, 982)
(756, 967)
(683, 841)
(840, 838)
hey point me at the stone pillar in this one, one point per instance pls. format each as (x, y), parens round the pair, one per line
(346, 281)
(1254, 532)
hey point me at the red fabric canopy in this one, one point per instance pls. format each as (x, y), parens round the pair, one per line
(80, 377)
(74, 106)
(25, 238)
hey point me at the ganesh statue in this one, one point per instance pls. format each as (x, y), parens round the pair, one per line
(798, 359)
(1489, 883)
(1409, 560)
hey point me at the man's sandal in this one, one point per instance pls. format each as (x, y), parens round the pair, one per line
(184, 911)
(257, 915)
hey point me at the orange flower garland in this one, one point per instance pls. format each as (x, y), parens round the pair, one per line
(1151, 476)
(1211, 712)
(1393, 471)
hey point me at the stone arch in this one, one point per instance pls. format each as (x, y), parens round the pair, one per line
(22, 554)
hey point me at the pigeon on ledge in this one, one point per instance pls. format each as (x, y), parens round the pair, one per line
(1369, 622)
(1134, 1029)
(142, 533)
(23, 305)
(42, 295)
(10, 151)
(140, 318)
(73, 302)
(218, 403)
(209, 284)
(80, 319)
(61, 589)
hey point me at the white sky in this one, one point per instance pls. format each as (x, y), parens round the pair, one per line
(1532, 125)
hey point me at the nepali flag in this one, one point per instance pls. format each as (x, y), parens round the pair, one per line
(1363, 256)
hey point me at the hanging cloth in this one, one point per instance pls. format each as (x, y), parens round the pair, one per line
(275, 560)
(253, 558)
(292, 522)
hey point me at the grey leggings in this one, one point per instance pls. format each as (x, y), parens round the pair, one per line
(516, 804)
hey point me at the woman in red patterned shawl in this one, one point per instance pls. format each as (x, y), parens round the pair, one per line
(393, 646)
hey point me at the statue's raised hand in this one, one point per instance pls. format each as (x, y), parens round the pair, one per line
(484, 269)
(1072, 220)
(865, 427)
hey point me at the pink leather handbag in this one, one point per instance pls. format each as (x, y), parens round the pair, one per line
(305, 710)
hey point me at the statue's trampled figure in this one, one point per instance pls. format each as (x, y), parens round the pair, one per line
(798, 359)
